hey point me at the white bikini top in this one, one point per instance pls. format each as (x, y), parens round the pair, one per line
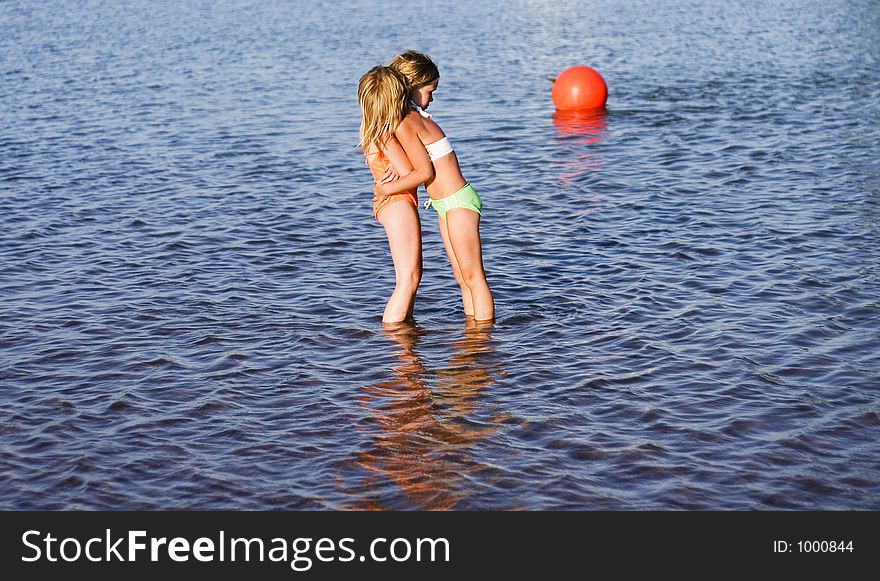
(440, 147)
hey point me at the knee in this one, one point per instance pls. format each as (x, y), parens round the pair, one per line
(410, 279)
(472, 277)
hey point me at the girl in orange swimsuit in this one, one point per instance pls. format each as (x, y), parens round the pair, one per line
(378, 90)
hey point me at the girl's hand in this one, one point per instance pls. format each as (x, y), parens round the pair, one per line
(390, 175)
(379, 193)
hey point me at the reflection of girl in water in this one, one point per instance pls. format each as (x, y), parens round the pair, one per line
(459, 383)
(424, 440)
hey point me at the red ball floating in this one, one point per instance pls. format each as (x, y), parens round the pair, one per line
(579, 88)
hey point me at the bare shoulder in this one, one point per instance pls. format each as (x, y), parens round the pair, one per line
(412, 122)
(433, 128)
(425, 127)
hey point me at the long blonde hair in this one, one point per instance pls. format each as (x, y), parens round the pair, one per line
(417, 68)
(384, 101)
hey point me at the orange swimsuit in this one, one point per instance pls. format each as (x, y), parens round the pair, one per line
(378, 165)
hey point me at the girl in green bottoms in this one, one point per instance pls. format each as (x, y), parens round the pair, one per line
(457, 203)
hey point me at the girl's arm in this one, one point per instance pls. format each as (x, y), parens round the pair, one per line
(400, 165)
(408, 137)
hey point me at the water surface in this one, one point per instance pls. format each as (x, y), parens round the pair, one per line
(191, 282)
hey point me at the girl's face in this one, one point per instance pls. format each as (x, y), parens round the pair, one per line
(424, 95)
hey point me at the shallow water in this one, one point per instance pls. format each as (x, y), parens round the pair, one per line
(686, 285)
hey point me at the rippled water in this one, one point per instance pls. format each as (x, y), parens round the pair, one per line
(191, 282)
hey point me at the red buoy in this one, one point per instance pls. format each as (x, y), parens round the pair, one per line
(578, 89)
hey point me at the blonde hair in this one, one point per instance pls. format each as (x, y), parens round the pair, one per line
(384, 101)
(417, 67)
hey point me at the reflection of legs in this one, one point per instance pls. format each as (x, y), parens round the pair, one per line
(466, 299)
(478, 329)
(406, 334)
(463, 231)
(401, 222)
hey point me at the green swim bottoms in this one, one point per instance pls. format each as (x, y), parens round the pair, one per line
(466, 197)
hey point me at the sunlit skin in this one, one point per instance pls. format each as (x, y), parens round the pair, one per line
(404, 232)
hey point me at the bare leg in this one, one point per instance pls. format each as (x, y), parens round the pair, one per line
(466, 299)
(463, 228)
(401, 222)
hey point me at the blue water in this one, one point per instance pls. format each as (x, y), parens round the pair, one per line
(191, 281)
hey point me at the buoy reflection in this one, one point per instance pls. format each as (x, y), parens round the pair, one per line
(589, 126)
